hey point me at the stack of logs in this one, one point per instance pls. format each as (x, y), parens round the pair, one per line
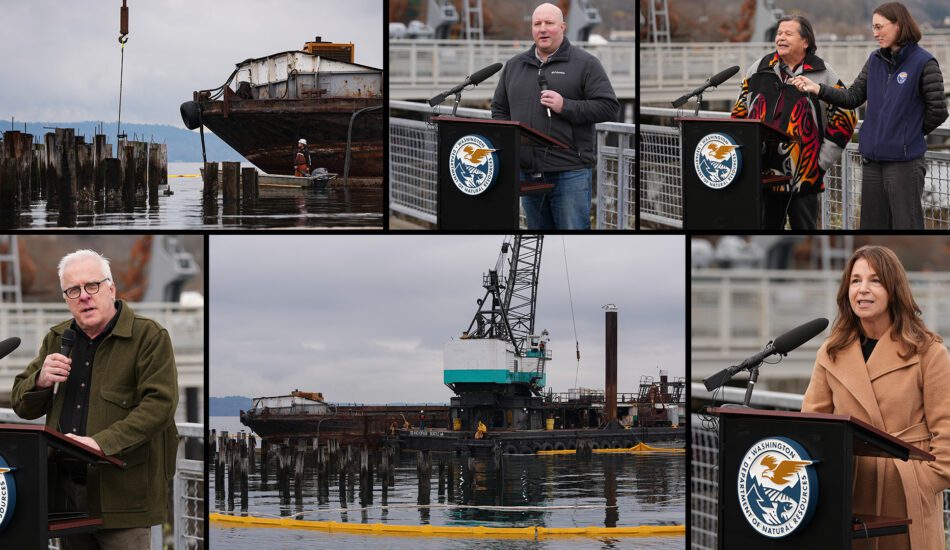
(73, 175)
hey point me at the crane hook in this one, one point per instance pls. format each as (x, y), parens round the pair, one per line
(123, 23)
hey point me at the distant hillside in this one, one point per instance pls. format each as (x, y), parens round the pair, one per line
(183, 145)
(228, 406)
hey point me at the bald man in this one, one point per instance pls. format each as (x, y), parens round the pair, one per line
(578, 95)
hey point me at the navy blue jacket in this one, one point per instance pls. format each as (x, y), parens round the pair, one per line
(904, 94)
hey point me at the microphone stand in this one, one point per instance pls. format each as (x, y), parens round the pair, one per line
(753, 377)
(699, 101)
(458, 98)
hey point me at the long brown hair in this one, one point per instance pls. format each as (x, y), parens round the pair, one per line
(897, 13)
(907, 328)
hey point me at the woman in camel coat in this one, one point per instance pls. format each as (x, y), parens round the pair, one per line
(883, 366)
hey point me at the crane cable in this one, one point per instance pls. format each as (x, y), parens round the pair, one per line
(123, 38)
(577, 344)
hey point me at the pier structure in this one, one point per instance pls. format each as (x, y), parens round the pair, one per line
(74, 176)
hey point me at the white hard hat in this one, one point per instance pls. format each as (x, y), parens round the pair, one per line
(302, 141)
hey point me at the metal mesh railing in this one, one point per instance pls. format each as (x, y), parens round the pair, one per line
(413, 166)
(661, 182)
(616, 166)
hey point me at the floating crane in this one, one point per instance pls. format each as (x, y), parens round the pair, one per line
(497, 366)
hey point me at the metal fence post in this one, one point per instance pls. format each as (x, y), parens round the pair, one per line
(845, 193)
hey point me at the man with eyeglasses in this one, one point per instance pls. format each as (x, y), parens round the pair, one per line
(117, 392)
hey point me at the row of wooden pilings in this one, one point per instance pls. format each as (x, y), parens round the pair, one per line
(73, 175)
(238, 186)
(234, 456)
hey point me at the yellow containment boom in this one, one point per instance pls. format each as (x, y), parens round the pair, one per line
(448, 530)
(638, 448)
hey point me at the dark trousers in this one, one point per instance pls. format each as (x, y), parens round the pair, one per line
(73, 495)
(891, 194)
(802, 211)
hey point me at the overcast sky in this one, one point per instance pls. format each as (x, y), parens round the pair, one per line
(61, 59)
(365, 318)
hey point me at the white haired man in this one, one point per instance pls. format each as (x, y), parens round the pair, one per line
(117, 393)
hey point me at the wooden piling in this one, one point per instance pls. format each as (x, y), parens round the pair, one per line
(298, 475)
(111, 178)
(103, 150)
(252, 450)
(441, 489)
(67, 159)
(157, 170)
(424, 471)
(85, 175)
(265, 447)
(231, 172)
(127, 163)
(140, 172)
(243, 473)
(249, 186)
(52, 169)
(210, 190)
(38, 178)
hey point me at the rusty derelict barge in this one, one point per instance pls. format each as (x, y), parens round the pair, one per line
(308, 415)
(318, 94)
(497, 371)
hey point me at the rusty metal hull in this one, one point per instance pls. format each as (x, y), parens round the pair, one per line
(265, 132)
(349, 424)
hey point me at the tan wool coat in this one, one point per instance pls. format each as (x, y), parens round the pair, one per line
(909, 399)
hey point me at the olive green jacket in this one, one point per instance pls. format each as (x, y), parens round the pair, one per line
(131, 416)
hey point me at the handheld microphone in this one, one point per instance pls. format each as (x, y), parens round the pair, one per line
(7, 346)
(782, 345)
(66, 347)
(543, 82)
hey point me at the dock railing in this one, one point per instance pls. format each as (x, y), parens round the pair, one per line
(661, 181)
(413, 145)
(704, 490)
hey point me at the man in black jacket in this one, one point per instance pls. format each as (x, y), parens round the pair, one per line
(561, 91)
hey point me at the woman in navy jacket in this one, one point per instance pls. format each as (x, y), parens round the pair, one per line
(903, 87)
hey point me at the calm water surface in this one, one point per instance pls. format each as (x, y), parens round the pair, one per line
(350, 208)
(646, 490)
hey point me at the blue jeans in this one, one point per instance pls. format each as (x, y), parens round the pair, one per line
(567, 206)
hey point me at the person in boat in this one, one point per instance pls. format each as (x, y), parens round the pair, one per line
(302, 159)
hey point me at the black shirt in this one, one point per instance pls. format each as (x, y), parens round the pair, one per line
(76, 401)
(867, 346)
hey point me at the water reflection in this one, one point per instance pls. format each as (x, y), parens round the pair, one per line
(554, 491)
(184, 208)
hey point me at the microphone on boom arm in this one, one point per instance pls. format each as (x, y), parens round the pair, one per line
(782, 345)
(714, 81)
(474, 80)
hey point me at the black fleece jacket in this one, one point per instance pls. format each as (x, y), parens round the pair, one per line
(588, 98)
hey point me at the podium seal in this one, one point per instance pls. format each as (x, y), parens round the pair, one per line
(7, 493)
(778, 487)
(717, 160)
(473, 164)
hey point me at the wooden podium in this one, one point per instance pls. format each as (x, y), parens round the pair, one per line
(499, 206)
(738, 204)
(832, 441)
(29, 450)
